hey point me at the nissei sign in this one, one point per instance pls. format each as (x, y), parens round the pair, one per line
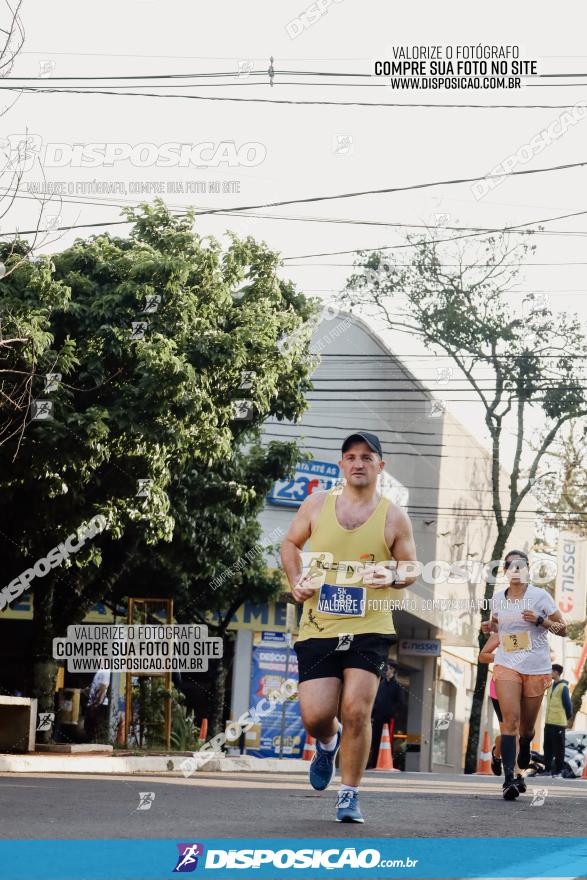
(310, 476)
(420, 647)
(571, 572)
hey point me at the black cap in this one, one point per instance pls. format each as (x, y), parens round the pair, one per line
(371, 440)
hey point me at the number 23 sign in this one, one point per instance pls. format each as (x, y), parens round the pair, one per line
(310, 476)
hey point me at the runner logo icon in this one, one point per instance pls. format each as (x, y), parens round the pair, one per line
(344, 641)
(187, 859)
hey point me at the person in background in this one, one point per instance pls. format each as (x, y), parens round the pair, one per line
(388, 701)
(487, 656)
(96, 717)
(558, 712)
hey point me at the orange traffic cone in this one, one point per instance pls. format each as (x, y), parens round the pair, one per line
(584, 776)
(385, 757)
(484, 763)
(309, 748)
(204, 729)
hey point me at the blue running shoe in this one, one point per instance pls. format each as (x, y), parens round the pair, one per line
(322, 767)
(347, 807)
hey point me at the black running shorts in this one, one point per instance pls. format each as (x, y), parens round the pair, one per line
(327, 658)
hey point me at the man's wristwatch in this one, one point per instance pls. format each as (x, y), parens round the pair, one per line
(539, 620)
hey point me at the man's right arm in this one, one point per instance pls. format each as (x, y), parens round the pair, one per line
(293, 543)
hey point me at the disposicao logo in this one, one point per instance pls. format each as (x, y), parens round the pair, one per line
(348, 857)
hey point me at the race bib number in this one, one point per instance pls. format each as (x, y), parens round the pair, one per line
(342, 601)
(516, 642)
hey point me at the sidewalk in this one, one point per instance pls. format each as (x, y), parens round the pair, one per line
(161, 765)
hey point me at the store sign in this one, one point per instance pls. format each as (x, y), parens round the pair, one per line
(271, 657)
(420, 647)
(310, 476)
(570, 579)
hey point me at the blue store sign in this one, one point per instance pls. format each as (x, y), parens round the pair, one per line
(310, 476)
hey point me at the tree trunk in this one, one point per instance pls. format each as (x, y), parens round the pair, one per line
(44, 676)
(144, 699)
(578, 692)
(482, 668)
(218, 687)
(44, 666)
(476, 713)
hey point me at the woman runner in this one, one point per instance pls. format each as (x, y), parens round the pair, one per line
(522, 615)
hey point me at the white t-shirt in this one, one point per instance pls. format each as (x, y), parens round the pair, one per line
(534, 660)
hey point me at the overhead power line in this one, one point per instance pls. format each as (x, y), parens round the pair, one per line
(180, 211)
(344, 428)
(384, 191)
(409, 357)
(359, 383)
(438, 396)
(408, 188)
(512, 228)
(118, 89)
(37, 90)
(376, 80)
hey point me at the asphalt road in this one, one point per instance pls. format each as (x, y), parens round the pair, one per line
(208, 805)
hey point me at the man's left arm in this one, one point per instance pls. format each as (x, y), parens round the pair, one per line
(401, 569)
(567, 702)
(403, 548)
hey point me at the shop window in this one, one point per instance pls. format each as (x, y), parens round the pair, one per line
(443, 717)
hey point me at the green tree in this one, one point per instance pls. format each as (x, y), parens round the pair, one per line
(132, 406)
(458, 299)
(217, 559)
(28, 296)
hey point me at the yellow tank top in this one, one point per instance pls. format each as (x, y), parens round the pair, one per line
(354, 608)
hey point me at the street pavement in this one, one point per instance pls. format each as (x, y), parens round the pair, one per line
(208, 805)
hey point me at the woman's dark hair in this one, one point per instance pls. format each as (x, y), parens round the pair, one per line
(509, 557)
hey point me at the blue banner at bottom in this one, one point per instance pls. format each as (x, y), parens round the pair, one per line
(529, 857)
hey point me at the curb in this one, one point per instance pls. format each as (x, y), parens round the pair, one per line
(164, 765)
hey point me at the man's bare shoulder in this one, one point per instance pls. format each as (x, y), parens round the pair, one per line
(397, 517)
(397, 524)
(314, 502)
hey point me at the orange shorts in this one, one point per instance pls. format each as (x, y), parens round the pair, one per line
(532, 685)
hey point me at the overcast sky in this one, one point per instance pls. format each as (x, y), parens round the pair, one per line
(380, 146)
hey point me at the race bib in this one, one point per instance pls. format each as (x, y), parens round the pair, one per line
(516, 642)
(342, 601)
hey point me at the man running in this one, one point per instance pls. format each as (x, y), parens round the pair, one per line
(346, 626)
